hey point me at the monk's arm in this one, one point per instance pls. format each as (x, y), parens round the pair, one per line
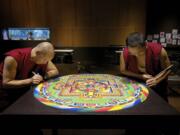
(163, 75)
(51, 70)
(9, 73)
(165, 62)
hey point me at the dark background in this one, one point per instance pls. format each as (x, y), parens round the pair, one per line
(93, 28)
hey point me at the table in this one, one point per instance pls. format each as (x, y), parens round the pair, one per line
(118, 51)
(29, 112)
(60, 54)
(64, 50)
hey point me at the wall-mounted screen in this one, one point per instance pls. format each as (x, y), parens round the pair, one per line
(26, 34)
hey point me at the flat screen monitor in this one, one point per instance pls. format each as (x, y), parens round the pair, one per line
(26, 34)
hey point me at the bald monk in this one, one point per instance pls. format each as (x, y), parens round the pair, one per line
(27, 66)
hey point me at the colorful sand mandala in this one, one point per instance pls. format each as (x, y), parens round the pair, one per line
(91, 92)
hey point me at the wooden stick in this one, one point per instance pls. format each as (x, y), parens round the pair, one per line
(163, 71)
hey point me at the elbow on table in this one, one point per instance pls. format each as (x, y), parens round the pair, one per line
(5, 85)
(56, 73)
(123, 71)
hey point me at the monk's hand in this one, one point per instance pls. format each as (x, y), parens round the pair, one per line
(152, 82)
(146, 76)
(36, 79)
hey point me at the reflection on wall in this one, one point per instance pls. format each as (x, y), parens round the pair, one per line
(77, 23)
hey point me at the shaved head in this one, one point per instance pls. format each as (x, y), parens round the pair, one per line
(46, 48)
(43, 52)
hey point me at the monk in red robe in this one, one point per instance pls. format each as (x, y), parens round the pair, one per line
(26, 66)
(142, 60)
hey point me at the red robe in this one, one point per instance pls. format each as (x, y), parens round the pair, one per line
(153, 65)
(24, 65)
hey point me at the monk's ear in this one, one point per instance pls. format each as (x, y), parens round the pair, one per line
(38, 53)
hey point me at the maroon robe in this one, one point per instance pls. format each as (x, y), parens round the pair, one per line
(24, 65)
(152, 65)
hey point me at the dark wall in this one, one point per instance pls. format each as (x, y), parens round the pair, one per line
(77, 23)
(90, 55)
(162, 15)
(8, 45)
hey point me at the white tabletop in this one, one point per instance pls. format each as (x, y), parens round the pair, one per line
(118, 51)
(64, 50)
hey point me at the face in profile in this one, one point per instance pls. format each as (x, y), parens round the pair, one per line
(42, 58)
(133, 50)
